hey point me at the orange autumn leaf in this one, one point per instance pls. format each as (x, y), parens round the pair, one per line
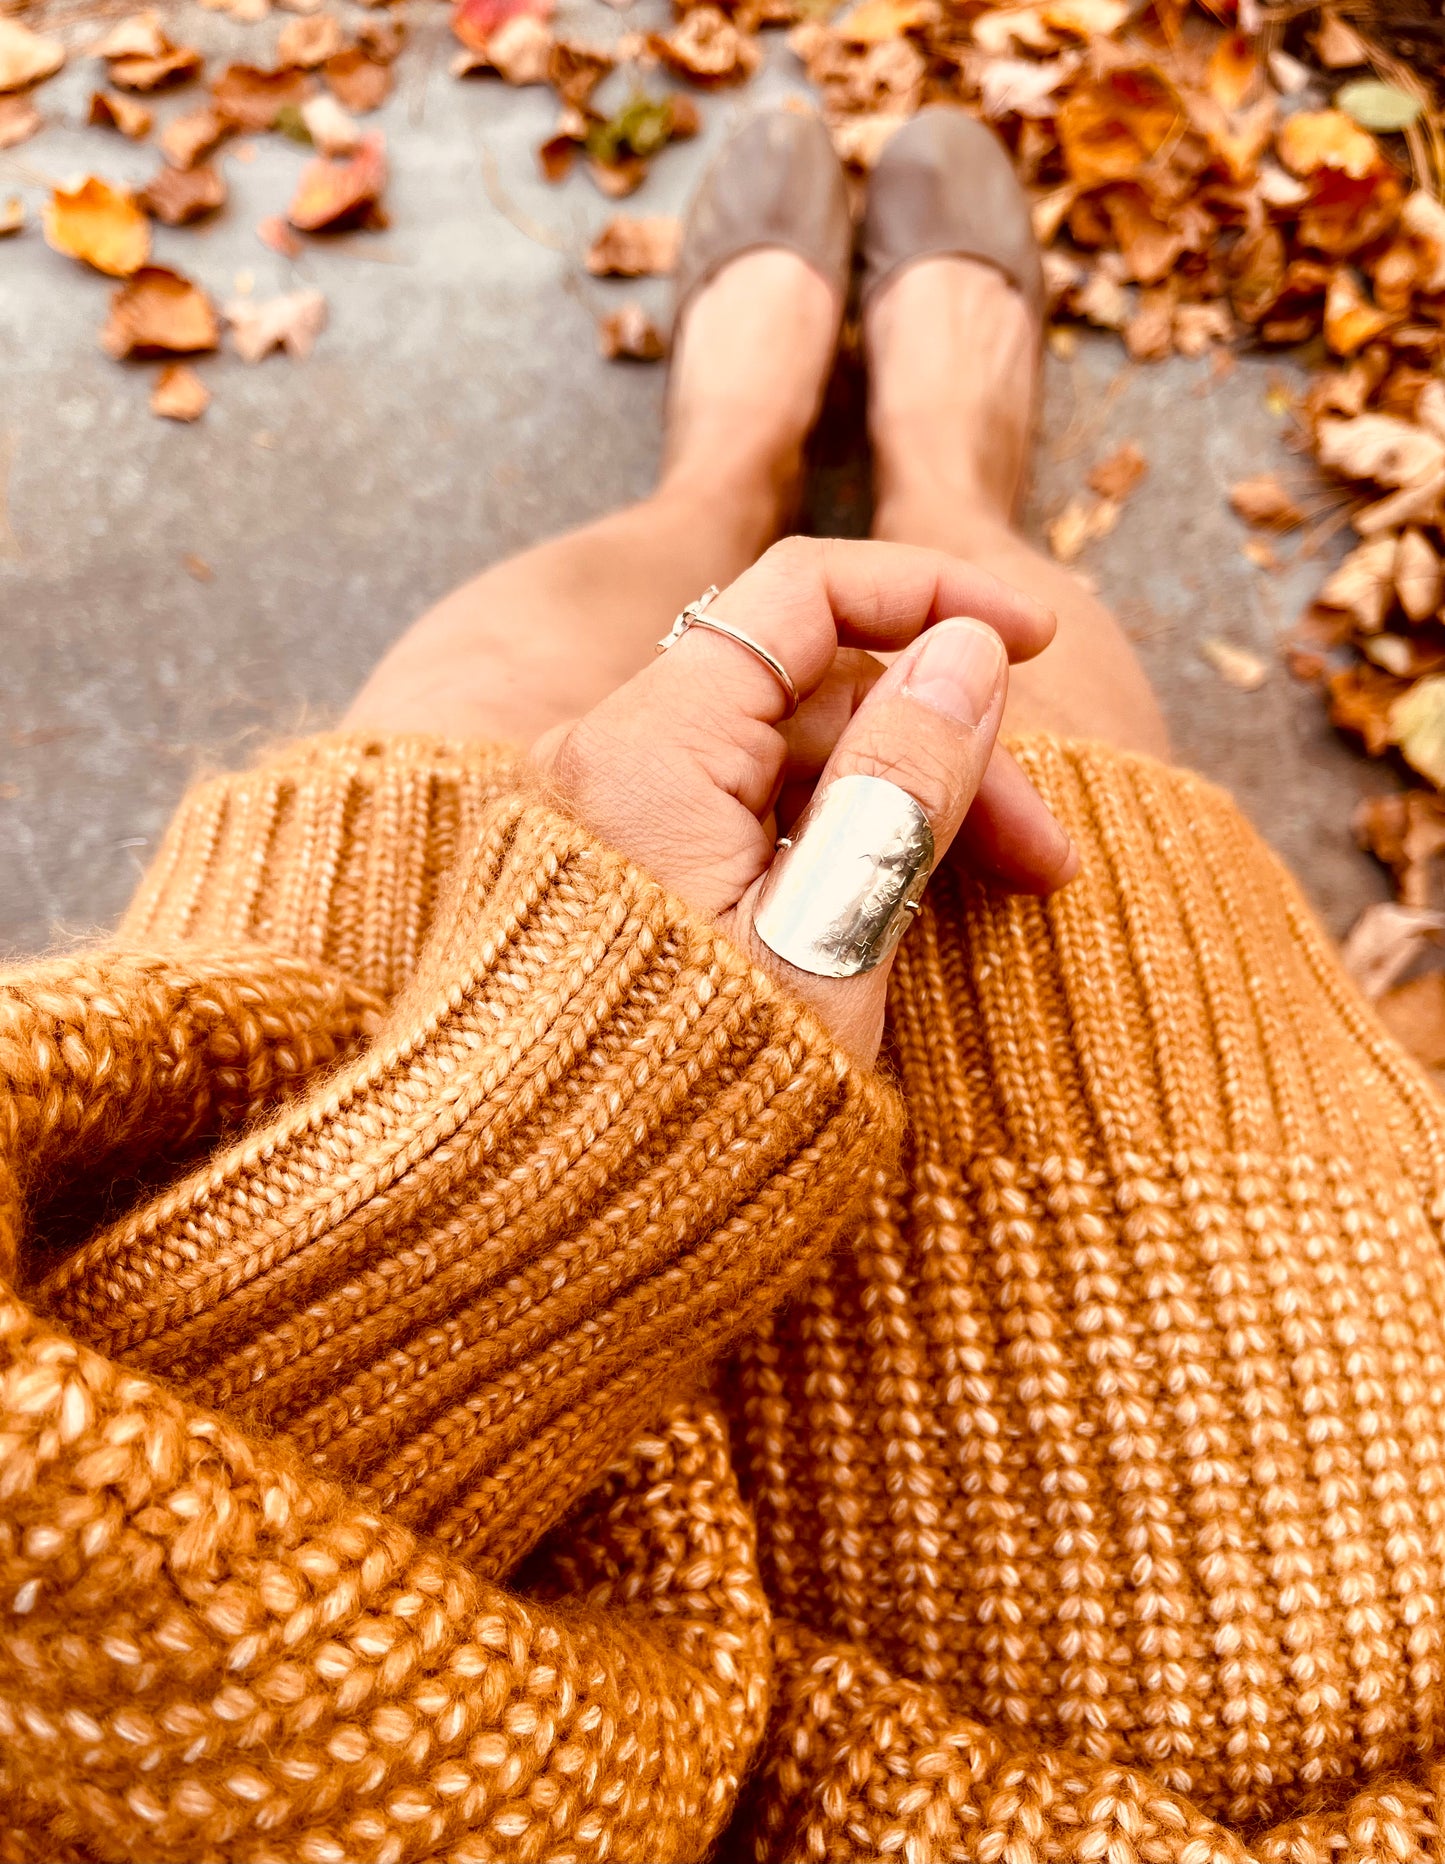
(358, 82)
(1351, 321)
(309, 41)
(1315, 139)
(19, 121)
(159, 312)
(179, 394)
(152, 74)
(109, 110)
(100, 225)
(185, 139)
(474, 21)
(1233, 70)
(26, 57)
(1108, 130)
(336, 194)
(708, 48)
(874, 21)
(635, 248)
(179, 195)
(251, 97)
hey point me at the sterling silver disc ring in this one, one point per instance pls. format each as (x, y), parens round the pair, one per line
(840, 891)
(695, 615)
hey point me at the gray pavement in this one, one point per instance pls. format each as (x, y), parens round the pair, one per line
(455, 410)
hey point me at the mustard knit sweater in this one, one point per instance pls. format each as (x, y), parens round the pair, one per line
(480, 1379)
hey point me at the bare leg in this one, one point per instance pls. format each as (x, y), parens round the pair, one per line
(543, 636)
(953, 362)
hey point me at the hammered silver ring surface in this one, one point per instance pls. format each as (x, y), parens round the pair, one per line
(841, 889)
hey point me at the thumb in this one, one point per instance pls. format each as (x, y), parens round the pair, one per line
(928, 726)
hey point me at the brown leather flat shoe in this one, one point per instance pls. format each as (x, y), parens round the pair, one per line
(777, 181)
(944, 186)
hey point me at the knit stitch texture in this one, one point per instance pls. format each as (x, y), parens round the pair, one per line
(1069, 1486)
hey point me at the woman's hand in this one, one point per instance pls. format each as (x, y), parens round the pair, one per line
(689, 767)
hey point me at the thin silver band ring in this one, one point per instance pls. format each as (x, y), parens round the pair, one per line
(694, 616)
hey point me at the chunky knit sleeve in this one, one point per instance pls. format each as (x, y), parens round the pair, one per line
(583, 1145)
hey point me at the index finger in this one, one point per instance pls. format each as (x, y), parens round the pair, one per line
(808, 596)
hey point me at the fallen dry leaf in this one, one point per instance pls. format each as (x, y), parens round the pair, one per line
(1423, 217)
(708, 48)
(1149, 333)
(635, 248)
(1382, 448)
(1337, 44)
(328, 125)
(474, 21)
(180, 195)
(575, 69)
(19, 121)
(331, 195)
(1419, 576)
(1385, 941)
(1004, 29)
(877, 20)
(1080, 523)
(1108, 130)
(173, 66)
(1263, 500)
(1237, 665)
(309, 42)
(1233, 70)
(179, 394)
(1314, 139)
(160, 312)
(1361, 699)
(1406, 832)
(25, 56)
(630, 333)
(275, 233)
(519, 51)
(1364, 584)
(109, 110)
(1417, 726)
(620, 148)
(381, 39)
(12, 216)
(291, 323)
(249, 97)
(100, 225)
(1351, 320)
(1120, 473)
(1085, 19)
(358, 82)
(138, 35)
(1023, 87)
(1414, 1013)
(185, 139)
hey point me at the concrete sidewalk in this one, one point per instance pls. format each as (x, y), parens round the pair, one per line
(455, 410)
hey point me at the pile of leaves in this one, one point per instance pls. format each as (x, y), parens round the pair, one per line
(1206, 175)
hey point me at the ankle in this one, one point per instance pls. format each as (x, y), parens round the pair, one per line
(920, 468)
(738, 485)
(956, 516)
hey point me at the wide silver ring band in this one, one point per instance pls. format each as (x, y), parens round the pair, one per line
(840, 892)
(695, 616)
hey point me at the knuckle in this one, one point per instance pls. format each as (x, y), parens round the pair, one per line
(795, 556)
(924, 770)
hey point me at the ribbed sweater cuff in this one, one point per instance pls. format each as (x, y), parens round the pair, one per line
(589, 1145)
